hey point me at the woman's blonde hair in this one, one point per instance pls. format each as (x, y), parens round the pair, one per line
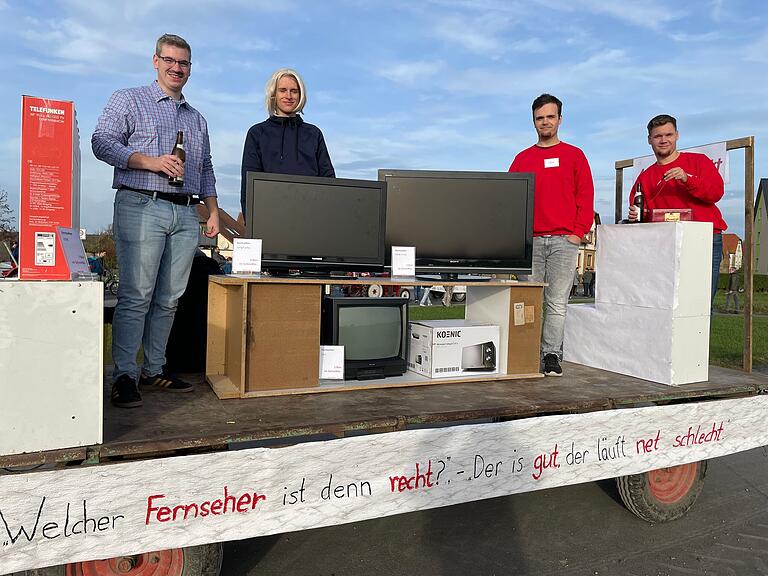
(270, 101)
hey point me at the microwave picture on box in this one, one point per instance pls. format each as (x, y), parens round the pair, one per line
(479, 357)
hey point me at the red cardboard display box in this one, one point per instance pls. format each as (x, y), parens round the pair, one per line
(50, 186)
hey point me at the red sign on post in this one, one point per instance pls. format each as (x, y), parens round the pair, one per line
(50, 186)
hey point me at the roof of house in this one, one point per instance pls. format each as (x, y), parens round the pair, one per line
(730, 243)
(762, 190)
(228, 226)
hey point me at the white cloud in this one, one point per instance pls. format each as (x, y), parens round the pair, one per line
(650, 14)
(411, 72)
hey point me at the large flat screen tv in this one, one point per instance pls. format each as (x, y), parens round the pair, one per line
(461, 222)
(373, 331)
(314, 224)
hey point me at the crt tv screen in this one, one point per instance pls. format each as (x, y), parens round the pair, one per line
(312, 223)
(462, 222)
(373, 331)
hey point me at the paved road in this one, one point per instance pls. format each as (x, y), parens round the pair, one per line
(575, 530)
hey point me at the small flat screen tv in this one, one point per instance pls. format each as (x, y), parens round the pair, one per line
(373, 331)
(314, 224)
(461, 222)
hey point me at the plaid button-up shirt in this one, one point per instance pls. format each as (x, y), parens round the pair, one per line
(146, 120)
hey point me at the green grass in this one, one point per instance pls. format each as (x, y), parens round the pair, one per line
(726, 341)
(759, 302)
(438, 312)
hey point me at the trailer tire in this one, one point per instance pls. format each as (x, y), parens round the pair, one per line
(202, 560)
(405, 293)
(665, 494)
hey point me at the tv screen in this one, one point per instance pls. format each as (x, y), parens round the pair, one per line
(367, 332)
(461, 222)
(373, 331)
(316, 224)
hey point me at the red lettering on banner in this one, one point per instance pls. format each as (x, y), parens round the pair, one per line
(692, 438)
(418, 480)
(228, 504)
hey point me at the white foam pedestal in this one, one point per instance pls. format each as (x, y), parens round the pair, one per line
(51, 365)
(651, 313)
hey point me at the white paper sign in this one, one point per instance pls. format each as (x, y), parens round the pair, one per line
(78, 514)
(246, 255)
(332, 362)
(717, 153)
(74, 252)
(403, 261)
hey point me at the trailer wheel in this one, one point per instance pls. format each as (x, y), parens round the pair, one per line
(374, 291)
(665, 494)
(405, 293)
(193, 561)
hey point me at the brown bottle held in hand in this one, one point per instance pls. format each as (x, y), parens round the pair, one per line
(178, 151)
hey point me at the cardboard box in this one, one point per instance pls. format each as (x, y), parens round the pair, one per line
(447, 348)
(50, 186)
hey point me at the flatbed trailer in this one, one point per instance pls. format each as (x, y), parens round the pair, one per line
(498, 433)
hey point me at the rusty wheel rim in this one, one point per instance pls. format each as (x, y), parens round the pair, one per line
(670, 485)
(161, 563)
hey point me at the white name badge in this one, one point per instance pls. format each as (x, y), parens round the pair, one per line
(551, 162)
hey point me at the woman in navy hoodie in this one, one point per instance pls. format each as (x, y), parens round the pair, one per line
(284, 143)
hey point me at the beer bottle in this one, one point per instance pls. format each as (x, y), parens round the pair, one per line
(639, 202)
(178, 151)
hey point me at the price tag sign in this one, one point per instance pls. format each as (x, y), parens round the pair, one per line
(246, 255)
(331, 362)
(403, 261)
(74, 253)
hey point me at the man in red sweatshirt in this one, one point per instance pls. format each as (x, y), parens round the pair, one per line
(563, 214)
(681, 180)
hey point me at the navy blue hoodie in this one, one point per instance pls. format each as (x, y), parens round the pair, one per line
(285, 145)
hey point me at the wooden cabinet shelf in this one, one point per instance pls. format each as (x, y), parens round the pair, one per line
(264, 333)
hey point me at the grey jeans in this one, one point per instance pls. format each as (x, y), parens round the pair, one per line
(554, 262)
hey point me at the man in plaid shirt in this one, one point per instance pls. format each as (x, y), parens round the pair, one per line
(155, 224)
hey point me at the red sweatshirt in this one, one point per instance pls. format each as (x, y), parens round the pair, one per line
(703, 188)
(564, 193)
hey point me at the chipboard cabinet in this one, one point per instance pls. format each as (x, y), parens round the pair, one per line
(264, 333)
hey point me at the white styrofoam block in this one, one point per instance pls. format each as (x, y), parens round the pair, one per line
(656, 265)
(51, 365)
(647, 343)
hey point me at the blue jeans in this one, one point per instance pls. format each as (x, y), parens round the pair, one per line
(717, 256)
(554, 262)
(156, 241)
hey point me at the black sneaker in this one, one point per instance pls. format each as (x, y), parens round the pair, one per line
(125, 394)
(552, 365)
(165, 382)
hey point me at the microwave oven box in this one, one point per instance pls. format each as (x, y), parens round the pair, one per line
(447, 348)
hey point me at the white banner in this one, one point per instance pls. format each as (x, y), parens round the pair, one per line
(716, 152)
(51, 518)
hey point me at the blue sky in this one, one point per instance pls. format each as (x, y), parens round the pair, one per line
(433, 84)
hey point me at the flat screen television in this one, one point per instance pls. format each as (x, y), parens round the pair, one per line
(373, 331)
(314, 224)
(461, 222)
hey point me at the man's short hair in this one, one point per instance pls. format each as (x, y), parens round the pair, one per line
(660, 120)
(172, 40)
(547, 99)
(270, 90)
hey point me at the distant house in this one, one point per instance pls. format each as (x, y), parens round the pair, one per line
(732, 253)
(760, 235)
(588, 248)
(229, 229)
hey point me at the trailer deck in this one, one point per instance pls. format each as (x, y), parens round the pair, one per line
(173, 424)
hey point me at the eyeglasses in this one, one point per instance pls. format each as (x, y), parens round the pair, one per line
(183, 64)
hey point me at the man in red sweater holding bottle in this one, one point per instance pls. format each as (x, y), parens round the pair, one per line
(563, 214)
(681, 180)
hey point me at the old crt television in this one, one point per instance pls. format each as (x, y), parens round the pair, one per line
(373, 331)
(315, 224)
(462, 222)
